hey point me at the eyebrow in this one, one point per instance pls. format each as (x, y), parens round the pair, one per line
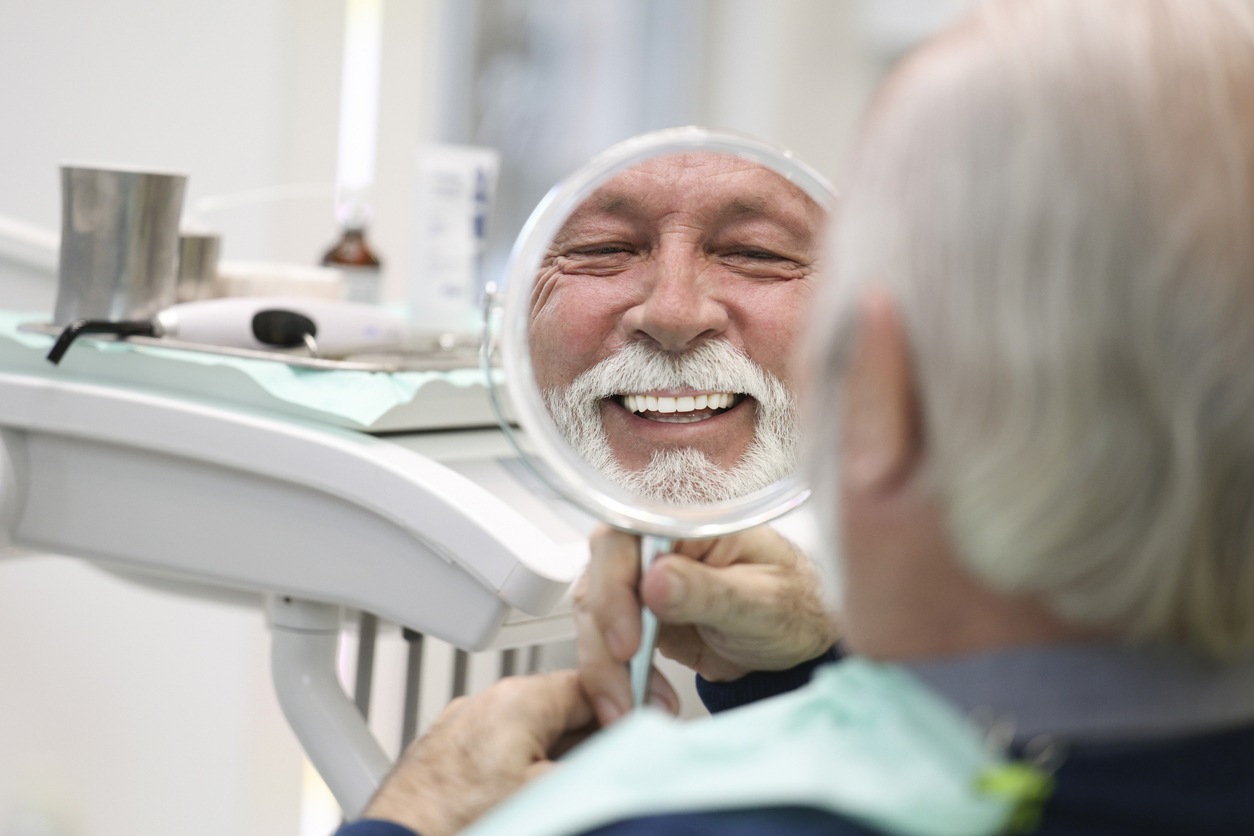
(600, 205)
(616, 205)
(738, 209)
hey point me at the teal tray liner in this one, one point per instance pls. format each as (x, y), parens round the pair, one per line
(356, 399)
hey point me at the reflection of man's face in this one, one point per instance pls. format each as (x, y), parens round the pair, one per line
(664, 320)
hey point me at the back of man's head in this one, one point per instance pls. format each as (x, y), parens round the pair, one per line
(1060, 196)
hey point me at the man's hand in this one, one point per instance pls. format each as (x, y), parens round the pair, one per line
(482, 749)
(726, 607)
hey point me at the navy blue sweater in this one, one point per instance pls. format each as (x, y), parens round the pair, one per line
(1195, 786)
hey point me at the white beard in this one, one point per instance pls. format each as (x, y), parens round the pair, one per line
(682, 476)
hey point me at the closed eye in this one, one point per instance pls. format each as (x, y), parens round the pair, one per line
(758, 263)
(759, 255)
(602, 259)
(602, 249)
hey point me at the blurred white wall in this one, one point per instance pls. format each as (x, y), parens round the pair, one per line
(197, 87)
(128, 711)
(797, 72)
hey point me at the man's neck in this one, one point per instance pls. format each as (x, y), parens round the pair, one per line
(908, 596)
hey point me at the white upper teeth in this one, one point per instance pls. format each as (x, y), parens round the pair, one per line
(686, 403)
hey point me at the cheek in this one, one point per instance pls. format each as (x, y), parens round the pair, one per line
(573, 331)
(771, 319)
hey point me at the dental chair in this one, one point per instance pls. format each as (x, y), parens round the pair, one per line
(439, 530)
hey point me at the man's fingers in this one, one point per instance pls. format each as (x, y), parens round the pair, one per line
(685, 645)
(481, 750)
(763, 545)
(571, 739)
(604, 678)
(607, 621)
(561, 705)
(683, 591)
(608, 590)
(542, 706)
(695, 549)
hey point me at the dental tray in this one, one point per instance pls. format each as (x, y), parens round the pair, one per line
(436, 390)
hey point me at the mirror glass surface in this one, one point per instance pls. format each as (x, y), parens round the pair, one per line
(647, 332)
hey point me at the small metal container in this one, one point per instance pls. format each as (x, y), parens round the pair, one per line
(119, 243)
(198, 266)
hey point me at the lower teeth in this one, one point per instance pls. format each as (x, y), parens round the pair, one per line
(673, 418)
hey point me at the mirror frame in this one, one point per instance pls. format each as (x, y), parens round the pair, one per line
(507, 334)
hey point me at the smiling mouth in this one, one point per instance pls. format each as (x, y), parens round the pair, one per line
(685, 409)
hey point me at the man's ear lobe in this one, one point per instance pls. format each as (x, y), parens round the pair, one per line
(881, 445)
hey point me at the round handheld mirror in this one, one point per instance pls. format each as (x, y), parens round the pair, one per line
(646, 332)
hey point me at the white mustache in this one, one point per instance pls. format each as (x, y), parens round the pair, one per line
(714, 366)
(682, 476)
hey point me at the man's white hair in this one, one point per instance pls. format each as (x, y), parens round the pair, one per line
(682, 476)
(1060, 196)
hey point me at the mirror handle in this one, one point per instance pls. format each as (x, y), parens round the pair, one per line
(642, 663)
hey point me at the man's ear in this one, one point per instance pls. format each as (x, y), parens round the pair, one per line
(882, 444)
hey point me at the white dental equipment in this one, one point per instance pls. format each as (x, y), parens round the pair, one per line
(431, 530)
(334, 328)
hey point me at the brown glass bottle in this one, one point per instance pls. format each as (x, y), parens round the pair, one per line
(361, 268)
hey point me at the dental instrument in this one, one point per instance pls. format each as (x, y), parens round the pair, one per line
(326, 328)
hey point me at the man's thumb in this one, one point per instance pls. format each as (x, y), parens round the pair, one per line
(685, 591)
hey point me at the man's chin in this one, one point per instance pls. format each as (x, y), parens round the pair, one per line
(682, 477)
(726, 464)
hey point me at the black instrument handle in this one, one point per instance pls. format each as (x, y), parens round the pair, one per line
(125, 328)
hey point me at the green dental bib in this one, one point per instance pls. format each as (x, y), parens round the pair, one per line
(863, 740)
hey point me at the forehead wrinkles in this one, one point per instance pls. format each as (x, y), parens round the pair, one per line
(707, 191)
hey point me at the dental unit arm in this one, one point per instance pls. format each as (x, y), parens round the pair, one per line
(313, 517)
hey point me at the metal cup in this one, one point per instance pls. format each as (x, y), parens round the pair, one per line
(119, 243)
(198, 265)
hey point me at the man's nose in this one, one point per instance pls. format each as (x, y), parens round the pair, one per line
(680, 309)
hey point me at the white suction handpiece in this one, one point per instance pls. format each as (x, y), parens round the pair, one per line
(642, 663)
(265, 322)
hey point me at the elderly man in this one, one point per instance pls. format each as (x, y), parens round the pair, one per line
(1037, 336)
(664, 321)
